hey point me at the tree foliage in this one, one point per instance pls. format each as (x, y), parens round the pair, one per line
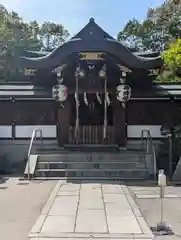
(161, 26)
(172, 56)
(171, 71)
(161, 32)
(52, 35)
(17, 35)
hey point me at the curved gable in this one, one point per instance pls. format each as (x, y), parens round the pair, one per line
(92, 39)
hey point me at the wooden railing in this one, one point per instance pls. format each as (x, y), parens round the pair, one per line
(91, 135)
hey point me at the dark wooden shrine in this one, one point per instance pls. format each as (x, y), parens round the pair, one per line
(91, 50)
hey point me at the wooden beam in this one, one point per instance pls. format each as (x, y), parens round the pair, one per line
(63, 122)
(119, 123)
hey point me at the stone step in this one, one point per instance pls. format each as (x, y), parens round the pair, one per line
(87, 170)
(79, 157)
(128, 173)
(94, 161)
(91, 165)
(87, 179)
(88, 148)
(77, 149)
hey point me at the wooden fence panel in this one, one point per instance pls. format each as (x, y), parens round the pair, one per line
(91, 135)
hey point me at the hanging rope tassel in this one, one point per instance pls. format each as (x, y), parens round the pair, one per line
(77, 106)
(105, 108)
(98, 98)
(77, 116)
(85, 99)
(108, 99)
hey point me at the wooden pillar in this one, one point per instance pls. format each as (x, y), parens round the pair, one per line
(63, 121)
(119, 123)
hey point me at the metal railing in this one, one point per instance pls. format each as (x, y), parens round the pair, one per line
(33, 139)
(147, 144)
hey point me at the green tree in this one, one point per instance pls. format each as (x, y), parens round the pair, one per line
(161, 27)
(52, 35)
(17, 36)
(172, 56)
(171, 71)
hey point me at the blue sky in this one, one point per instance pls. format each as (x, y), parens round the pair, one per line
(74, 14)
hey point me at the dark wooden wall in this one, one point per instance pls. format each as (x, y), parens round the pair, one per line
(28, 112)
(153, 112)
(138, 112)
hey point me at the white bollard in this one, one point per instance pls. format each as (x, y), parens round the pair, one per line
(162, 228)
(162, 182)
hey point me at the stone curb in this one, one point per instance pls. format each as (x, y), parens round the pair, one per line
(78, 236)
(39, 223)
(141, 221)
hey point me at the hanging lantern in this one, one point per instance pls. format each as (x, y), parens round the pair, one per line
(124, 74)
(123, 93)
(102, 72)
(60, 93)
(81, 73)
(122, 80)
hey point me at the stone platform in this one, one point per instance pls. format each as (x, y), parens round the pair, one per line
(85, 210)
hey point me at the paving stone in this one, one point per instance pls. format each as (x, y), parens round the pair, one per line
(117, 210)
(112, 197)
(70, 193)
(86, 188)
(91, 197)
(112, 189)
(57, 224)
(122, 238)
(90, 186)
(88, 193)
(91, 203)
(120, 224)
(119, 199)
(64, 206)
(92, 221)
(156, 196)
(69, 188)
(155, 191)
(145, 192)
(100, 208)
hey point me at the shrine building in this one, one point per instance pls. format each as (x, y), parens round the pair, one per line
(91, 90)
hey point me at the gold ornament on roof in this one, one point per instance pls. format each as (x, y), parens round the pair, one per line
(91, 56)
(29, 72)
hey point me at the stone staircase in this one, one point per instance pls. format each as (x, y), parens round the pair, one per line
(89, 162)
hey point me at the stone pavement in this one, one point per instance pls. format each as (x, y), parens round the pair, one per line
(90, 210)
(21, 202)
(148, 200)
(153, 192)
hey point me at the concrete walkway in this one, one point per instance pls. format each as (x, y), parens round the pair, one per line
(147, 197)
(90, 210)
(21, 203)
